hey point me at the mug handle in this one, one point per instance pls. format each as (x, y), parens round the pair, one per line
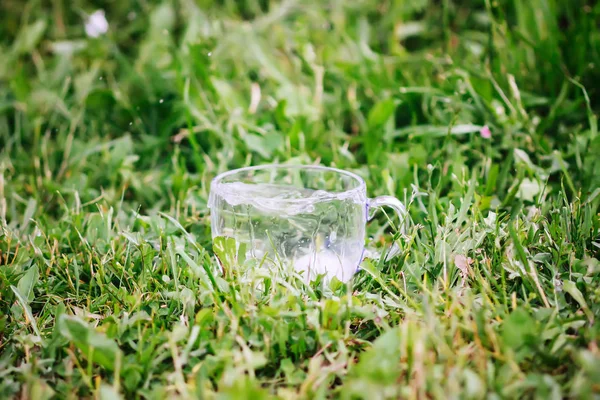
(395, 204)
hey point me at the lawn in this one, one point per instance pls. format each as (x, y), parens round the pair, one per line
(480, 115)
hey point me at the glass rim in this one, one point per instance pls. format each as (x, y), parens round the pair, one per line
(360, 187)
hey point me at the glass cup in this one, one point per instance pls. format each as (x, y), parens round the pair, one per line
(309, 217)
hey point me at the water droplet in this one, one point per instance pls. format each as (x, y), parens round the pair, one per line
(333, 236)
(161, 101)
(131, 123)
(210, 53)
(100, 78)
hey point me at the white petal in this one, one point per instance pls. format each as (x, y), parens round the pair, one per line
(96, 24)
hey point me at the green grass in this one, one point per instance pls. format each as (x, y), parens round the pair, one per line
(108, 285)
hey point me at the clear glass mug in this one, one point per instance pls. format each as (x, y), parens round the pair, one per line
(310, 217)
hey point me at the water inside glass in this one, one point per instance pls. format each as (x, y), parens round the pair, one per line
(315, 231)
